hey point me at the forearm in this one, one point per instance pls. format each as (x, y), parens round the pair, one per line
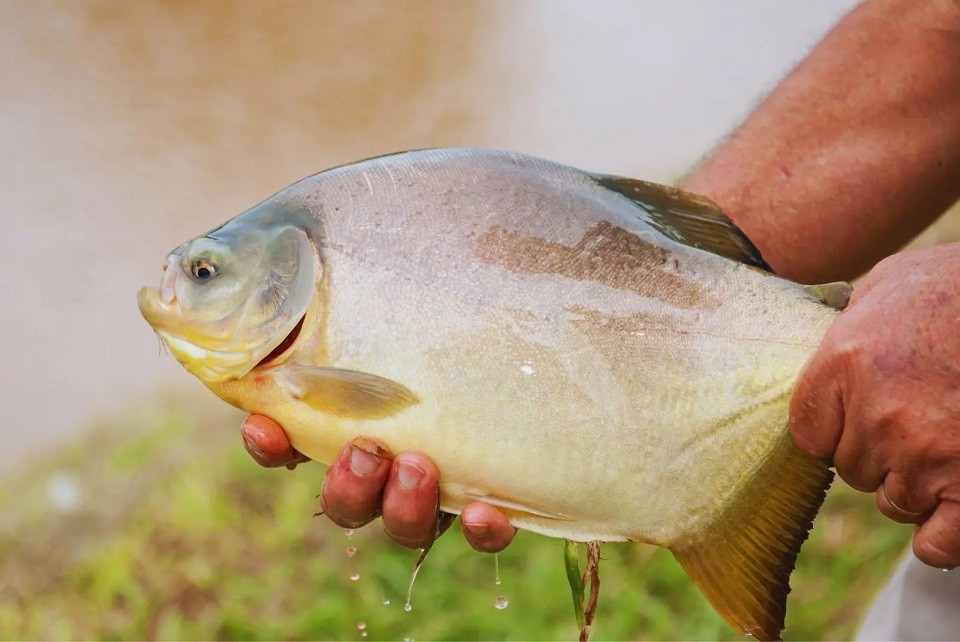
(856, 151)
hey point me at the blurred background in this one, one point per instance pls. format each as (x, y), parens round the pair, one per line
(128, 508)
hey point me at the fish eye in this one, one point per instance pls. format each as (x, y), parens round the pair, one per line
(203, 269)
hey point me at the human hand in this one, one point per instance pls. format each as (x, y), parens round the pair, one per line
(881, 396)
(364, 482)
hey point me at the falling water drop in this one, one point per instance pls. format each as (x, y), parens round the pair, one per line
(348, 532)
(386, 601)
(355, 577)
(361, 625)
(413, 577)
(496, 569)
(501, 602)
(363, 634)
(351, 551)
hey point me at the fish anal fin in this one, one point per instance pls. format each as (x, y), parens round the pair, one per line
(345, 393)
(687, 218)
(514, 507)
(743, 565)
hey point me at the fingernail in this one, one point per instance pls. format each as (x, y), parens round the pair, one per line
(409, 475)
(253, 448)
(363, 463)
(477, 528)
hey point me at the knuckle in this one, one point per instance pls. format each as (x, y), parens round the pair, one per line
(886, 414)
(887, 266)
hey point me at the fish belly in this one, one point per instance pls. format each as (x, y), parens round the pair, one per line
(588, 425)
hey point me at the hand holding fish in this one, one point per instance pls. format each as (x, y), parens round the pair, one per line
(363, 483)
(880, 396)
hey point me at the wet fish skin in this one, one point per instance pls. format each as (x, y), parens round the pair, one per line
(539, 333)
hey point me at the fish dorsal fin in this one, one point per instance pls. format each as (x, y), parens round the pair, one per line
(345, 393)
(743, 564)
(836, 294)
(687, 218)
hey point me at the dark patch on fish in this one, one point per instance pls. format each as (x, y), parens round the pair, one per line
(606, 254)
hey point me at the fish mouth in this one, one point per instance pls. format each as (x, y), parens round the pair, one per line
(207, 359)
(284, 346)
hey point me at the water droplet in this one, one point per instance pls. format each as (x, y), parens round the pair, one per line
(501, 602)
(355, 577)
(363, 634)
(944, 569)
(496, 569)
(413, 577)
(386, 601)
(348, 532)
(526, 369)
(361, 625)
(408, 640)
(351, 552)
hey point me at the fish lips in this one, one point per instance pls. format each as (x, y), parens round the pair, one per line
(206, 363)
(194, 352)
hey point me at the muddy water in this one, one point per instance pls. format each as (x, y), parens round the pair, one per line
(127, 127)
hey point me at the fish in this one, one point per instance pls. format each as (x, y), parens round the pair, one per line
(601, 358)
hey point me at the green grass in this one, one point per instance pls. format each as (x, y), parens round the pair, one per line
(179, 535)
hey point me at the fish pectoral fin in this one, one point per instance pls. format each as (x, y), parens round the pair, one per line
(514, 507)
(345, 393)
(687, 218)
(743, 564)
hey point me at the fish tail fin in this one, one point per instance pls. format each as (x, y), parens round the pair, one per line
(743, 565)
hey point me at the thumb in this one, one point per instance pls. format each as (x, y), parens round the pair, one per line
(266, 442)
(816, 409)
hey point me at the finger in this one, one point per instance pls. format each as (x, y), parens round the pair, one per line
(354, 482)
(869, 282)
(266, 442)
(411, 501)
(937, 540)
(858, 464)
(816, 408)
(900, 502)
(485, 528)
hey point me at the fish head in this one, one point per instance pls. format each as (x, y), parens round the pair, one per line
(235, 296)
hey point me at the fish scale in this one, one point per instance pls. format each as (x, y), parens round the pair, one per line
(600, 358)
